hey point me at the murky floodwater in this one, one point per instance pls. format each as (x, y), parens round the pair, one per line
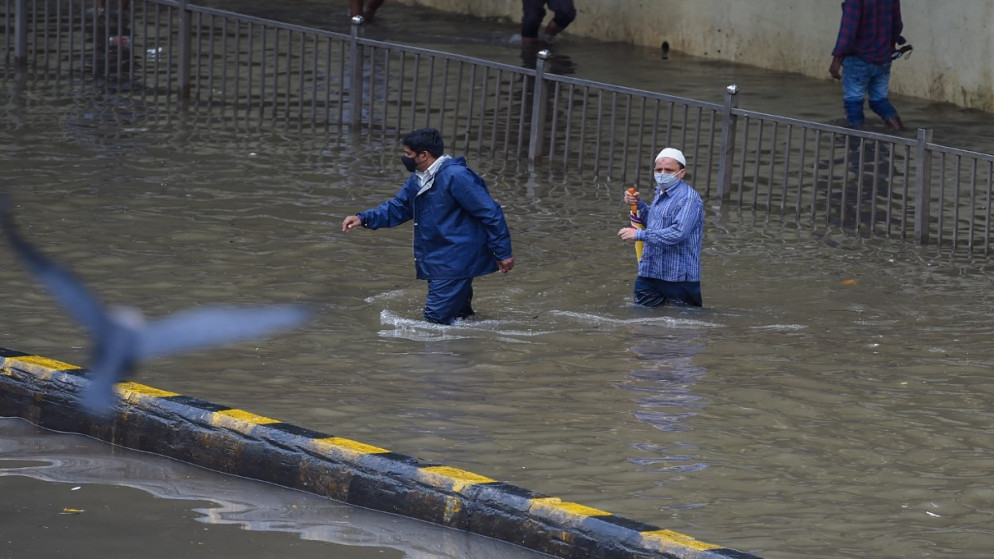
(832, 399)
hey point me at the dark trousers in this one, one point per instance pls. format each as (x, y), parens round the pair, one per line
(652, 292)
(448, 300)
(533, 12)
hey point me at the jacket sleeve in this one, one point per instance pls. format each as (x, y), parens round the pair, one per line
(392, 212)
(471, 193)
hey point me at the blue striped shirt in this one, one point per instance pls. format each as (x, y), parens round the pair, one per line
(674, 227)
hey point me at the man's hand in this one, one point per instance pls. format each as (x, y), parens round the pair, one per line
(836, 68)
(631, 198)
(627, 233)
(505, 265)
(351, 223)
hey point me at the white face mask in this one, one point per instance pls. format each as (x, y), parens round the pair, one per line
(665, 180)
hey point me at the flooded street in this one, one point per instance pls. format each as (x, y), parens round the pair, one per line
(831, 399)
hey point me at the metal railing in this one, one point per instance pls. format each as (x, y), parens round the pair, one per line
(239, 71)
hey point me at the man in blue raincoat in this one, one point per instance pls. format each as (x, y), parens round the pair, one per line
(459, 229)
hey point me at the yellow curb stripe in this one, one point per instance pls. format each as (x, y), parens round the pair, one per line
(667, 539)
(132, 391)
(345, 448)
(454, 479)
(238, 420)
(42, 367)
(558, 505)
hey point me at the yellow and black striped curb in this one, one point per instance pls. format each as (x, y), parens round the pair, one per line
(44, 391)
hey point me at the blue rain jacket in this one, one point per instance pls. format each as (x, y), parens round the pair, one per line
(459, 230)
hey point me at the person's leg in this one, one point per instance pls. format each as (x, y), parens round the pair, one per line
(652, 292)
(532, 14)
(448, 300)
(355, 8)
(879, 89)
(855, 81)
(564, 12)
(371, 8)
(684, 292)
(646, 293)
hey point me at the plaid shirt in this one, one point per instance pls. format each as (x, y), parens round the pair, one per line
(674, 227)
(869, 30)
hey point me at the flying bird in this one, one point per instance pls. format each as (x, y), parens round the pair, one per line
(122, 337)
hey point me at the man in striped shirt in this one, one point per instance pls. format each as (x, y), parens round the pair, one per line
(670, 268)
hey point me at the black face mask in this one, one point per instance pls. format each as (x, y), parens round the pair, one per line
(409, 163)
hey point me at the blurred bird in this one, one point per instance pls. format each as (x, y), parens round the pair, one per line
(121, 335)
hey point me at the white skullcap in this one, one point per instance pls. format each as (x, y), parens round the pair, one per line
(672, 153)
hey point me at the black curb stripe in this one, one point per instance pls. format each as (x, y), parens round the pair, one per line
(239, 442)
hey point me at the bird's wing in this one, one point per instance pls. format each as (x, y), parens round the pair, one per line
(213, 326)
(62, 285)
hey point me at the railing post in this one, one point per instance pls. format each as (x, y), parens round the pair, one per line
(185, 50)
(21, 34)
(727, 148)
(355, 84)
(923, 185)
(537, 131)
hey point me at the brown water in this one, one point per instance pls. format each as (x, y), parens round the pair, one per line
(832, 399)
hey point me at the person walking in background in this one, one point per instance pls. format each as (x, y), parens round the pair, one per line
(533, 13)
(356, 8)
(670, 268)
(862, 58)
(459, 229)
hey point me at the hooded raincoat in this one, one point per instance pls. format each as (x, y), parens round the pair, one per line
(459, 229)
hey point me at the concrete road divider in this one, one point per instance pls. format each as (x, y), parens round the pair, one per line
(45, 392)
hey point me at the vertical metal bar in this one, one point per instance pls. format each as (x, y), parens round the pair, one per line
(800, 173)
(569, 124)
(625, 135)
(415, 89)
(973, 203)
(786, 169)
(429, 94)
(726, 149)
(906, 193)
(889, 199)
(493, 131)
(710, 162)
(185, 52)
(522, 117)
(641, 138)
(553, 134)
(483, 110)
(612, 132)
(956, 200)
(355, 83)
(583, 122)
(370, 105)
(923, 185)
(469, 111)
(772, 167)
(400, 91)
(21, 34)
(942, 198)
(537, 128)
(814, 173)
(742, 157)
(316, 50)
(600, 118)
(988, 208)
(755, 173)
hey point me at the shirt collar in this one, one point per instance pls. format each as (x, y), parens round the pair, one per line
(428, 174)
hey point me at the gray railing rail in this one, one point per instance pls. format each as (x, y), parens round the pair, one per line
(245, 69)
